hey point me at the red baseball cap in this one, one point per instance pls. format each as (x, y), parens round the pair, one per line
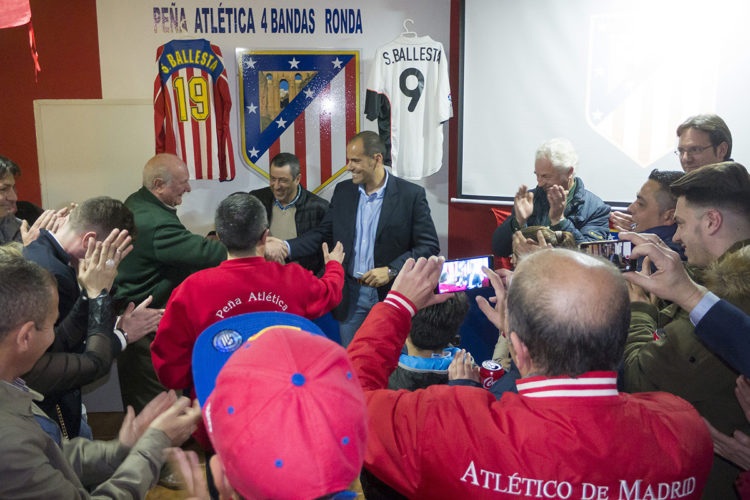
(287, 416)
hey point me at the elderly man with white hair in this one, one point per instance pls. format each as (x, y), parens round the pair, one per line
(559, 201)
(164, 253)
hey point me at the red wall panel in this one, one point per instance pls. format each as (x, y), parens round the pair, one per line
(470, 227)
(68, 46)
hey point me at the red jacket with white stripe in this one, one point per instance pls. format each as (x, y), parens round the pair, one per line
(557, 438)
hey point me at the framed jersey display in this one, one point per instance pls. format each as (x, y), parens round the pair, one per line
(192, 107)
(301, 102)
(409, 94)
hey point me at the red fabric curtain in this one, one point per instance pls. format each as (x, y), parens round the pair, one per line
(17, 13)
(14, 13)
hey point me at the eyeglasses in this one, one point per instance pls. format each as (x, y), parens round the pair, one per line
(691, 151)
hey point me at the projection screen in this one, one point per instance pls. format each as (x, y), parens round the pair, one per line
(614, 77)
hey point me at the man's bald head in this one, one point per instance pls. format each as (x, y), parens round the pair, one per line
(166, 176)
(162, 166)
(571, 310)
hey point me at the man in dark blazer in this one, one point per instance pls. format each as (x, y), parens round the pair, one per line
(60, 252)
(57, 376)
(380, 219)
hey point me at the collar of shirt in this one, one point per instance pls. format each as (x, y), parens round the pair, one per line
(589, 384)
(58, 246)
(379, 193)
(571, 192)
(368, 215)
(168, 207)
(19, 384)
(292, 203)
(10, 228)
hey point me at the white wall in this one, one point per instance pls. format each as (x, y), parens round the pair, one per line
(128, 39)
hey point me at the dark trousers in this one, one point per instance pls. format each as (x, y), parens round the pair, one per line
(138, 382)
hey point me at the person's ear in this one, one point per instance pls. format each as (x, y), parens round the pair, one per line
(712, 221)
(85, 237)
(159, 184)
(668, 217)
(721, 150)
(522, 358)
(23, 335)
(264, 237)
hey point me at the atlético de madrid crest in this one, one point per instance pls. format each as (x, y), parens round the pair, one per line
(301, 102)
(638, 90)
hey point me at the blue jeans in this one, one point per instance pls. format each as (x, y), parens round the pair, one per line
(52, 428)
(361, 300)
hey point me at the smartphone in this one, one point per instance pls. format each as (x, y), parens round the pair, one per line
(464, 274)
(615, 251)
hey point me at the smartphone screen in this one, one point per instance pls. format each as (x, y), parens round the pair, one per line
(615, 251)
(464, 274)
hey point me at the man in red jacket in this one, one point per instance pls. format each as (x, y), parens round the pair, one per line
(568, 433)
(243, 283)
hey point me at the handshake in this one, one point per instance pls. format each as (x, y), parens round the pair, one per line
(276, 250)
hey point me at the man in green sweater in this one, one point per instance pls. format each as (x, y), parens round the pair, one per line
(164, 253)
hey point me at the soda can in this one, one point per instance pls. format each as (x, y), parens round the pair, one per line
(490, 372)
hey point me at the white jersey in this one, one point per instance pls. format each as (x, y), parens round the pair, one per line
(410, 95)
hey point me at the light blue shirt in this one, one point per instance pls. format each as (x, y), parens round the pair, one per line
(368, 215)
(291, 203)
(700, 310)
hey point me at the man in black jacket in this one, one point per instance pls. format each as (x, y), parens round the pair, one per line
(98, 222)
(292, 210)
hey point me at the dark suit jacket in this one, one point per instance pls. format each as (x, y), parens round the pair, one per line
(405, 229)
(48, 253)
(77, 356)
(724, 329)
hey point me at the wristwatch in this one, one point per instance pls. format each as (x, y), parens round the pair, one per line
(392, 273)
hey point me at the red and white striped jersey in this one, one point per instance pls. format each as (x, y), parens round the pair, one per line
(192, 106)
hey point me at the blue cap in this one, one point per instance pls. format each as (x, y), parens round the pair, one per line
(219, 341)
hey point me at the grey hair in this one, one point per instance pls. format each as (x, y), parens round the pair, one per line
(560, 152)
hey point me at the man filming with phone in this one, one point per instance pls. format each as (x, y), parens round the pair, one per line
(568, 433)
(653, 209)
(713, 224)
